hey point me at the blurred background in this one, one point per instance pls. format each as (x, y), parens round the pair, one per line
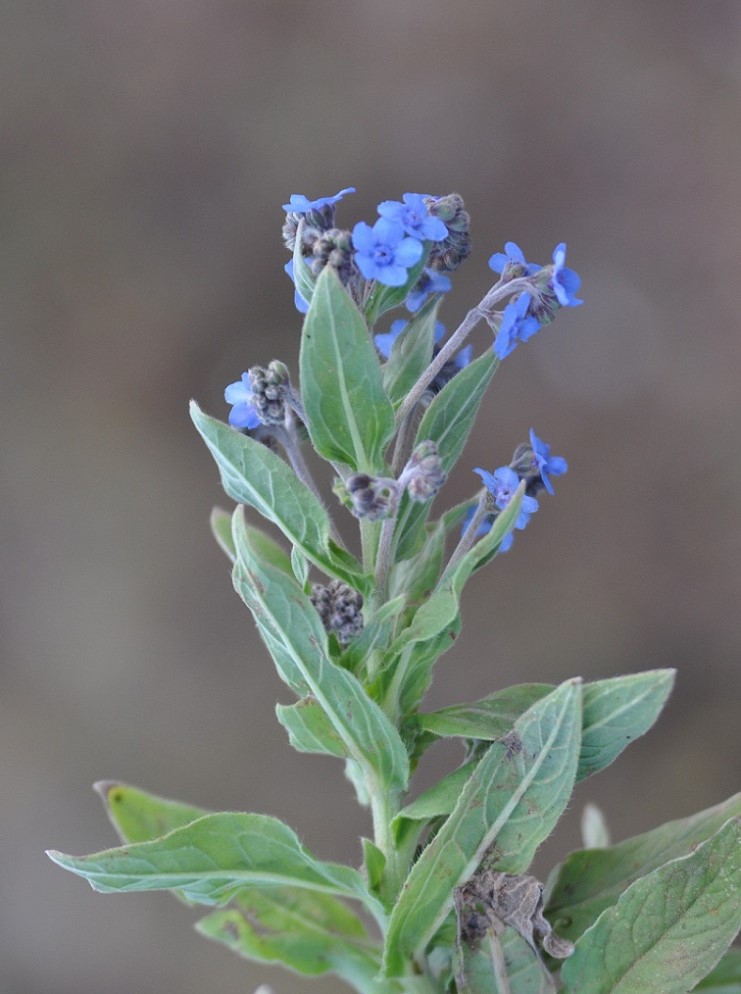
(147, 148)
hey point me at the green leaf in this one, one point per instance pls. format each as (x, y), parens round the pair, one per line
(591, 880)
(138, 816)
(442, 606)
(417, 577)
(374, 862)
(374, 637)
(489, 718)
(350, 419)
(252, 474)
(411, 353)
(213, 858)
(221, 528)
(726, 977)
(300, 566)
(616, 712)
(525, 971)
(309, 729)
(449, 418)
(508, 806)
(594, 831)
(668, 929)
(308, 932)
(281, 608)
(303, 278)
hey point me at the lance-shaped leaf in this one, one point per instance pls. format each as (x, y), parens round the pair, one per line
(615, 712)
(252, 474)
(280, 607)
(591, 880)
(309, 729)
(374, 637)
(508, 806)
(450, 417)
(349, 417)
(520, 969)
(668, 929)
(411, 352)
(725, 978)
(139, 816)
(221, 529)
(214, 857)
(442, 607)
(305, 931)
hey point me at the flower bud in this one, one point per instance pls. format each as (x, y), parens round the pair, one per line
(340, 608)
(334, 248)
(449, 253)
(269, 389)
(372, 497)
(423, 475)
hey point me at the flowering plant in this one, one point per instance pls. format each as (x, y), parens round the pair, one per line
(443, 901)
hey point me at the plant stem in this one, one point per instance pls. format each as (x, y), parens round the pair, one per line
(383, 562)
(482, 311)
(469, 535)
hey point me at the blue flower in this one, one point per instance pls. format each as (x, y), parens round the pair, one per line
(546, 464)
(512, 256)
(383, 253)
(517, 325)
(502, 484)
(385, 340)
(301, 305)
(564, 281)
(243, 413)
(429, 282)
(414, 217)
(299, 204)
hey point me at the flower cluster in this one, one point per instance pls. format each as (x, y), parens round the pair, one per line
(407, 232)
(406, 255)
(531, 462)
(548, 289)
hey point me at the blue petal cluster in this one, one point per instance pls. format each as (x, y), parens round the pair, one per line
(385, 340)
(518, 325)
(546, 464)
(383, 252)
(514, 258)
(564, 281)
(299, 204)
(243, 413)
(302, 305)
(414, 218)
(502, 484)
(431, 281)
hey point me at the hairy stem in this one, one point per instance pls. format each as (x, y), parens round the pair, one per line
(470, 534)
(483, 310)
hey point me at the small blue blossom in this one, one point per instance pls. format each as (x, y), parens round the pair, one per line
(414, 217)
(502, 484)
(546, 464)
(299, 204)
(301, 305)
(431, 281)
(512, 256)
(564, 281)
(383, 253)
(463, 358)
(243, 413)
(385, 340)
(517, 325)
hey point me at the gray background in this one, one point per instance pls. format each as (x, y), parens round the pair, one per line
(146, 150)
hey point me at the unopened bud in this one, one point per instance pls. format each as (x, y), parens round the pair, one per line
(372, 497)
(340, 608)
(334, 248)
(423, 475)
(269, 389)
